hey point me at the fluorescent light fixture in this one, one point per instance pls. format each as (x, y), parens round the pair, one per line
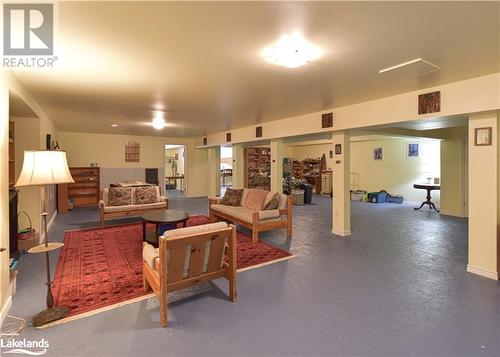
(413, 61)
(114, 125)
(158, 121)
(292, 51)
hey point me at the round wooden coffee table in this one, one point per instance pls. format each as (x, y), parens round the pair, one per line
(160, 218)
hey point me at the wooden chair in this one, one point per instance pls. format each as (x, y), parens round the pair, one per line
(190, 256)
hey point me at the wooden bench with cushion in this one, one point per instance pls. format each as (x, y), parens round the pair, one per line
(130, 201)
(249, 211)
(189, 256)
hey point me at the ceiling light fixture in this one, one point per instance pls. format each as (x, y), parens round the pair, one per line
(114, 125)
(292, 51)
(158, 121)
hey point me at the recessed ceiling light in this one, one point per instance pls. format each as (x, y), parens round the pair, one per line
(158, 121)
(114, 125)
(292, 51)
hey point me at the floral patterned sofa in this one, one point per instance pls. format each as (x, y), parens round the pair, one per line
(130, 201)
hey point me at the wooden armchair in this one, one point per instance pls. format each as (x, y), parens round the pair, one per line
(189, 256)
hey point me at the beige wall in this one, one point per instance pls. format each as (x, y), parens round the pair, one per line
(397, 172)
(484, 198)
(27, 137)
(453, 173)
(109, 151)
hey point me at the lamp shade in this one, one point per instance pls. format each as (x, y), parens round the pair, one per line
(44, 168)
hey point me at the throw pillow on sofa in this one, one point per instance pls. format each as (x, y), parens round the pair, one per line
(273, 203)
(145, 195)
(120, 196)
(232, 197)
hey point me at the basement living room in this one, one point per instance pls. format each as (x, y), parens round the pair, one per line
(321, 181)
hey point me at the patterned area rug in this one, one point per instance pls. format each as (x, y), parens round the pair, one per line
(101, 268)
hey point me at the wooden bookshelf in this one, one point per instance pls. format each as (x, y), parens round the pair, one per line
(296, 168)
(258, 167)
(84, 192)
(12, 155)
(311, 172)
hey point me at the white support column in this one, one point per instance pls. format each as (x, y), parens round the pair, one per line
(341, 185)
(238, 166)
(484, 198)
(213, 171)
(277, 165)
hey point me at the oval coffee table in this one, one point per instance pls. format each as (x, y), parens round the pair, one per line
(160, 218)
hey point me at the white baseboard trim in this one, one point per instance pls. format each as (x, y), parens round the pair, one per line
(5, 308)
(452, 214)
(49, 225)
(483, 272)
(341, 233)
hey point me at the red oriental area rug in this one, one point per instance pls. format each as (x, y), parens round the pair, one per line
(101, 268)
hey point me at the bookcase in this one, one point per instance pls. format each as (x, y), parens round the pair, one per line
(258, 167)
(311, 172)
(296, 169)
(84, 192)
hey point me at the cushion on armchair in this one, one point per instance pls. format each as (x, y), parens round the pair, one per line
(232, 197)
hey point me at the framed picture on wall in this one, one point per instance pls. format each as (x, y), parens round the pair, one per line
(378, 154)
(413, 150)
(482, 136)
(338, 149)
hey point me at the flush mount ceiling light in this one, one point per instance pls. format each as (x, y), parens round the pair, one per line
(291, 51)
(158, 121)
(114, 125)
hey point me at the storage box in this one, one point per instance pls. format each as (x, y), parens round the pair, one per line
(357, 195)
(395, 199)
(25, 244)
(298, 197)
(377, 197)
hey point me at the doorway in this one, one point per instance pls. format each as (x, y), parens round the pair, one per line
(226, 168)
(175, 168)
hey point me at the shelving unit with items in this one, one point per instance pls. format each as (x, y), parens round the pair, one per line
(258, 167)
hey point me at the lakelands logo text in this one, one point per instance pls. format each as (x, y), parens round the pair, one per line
(24, 346)
(28, 35)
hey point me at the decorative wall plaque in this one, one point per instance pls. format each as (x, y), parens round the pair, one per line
(429, 103)
(482, 136)
(258, 132)
(205, 141)
(132, 151)
(228, 137)
(327, 120)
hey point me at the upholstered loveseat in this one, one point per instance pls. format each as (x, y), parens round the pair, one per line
(249, 211)
(130, 201)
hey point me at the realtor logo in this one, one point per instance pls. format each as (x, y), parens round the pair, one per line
(28, 29)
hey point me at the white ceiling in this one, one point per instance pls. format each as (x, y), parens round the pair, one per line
(118, 61)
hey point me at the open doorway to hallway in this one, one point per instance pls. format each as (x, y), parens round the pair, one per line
(175, 168)
(226, 168)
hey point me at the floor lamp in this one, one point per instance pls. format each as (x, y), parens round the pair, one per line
(41, 168)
